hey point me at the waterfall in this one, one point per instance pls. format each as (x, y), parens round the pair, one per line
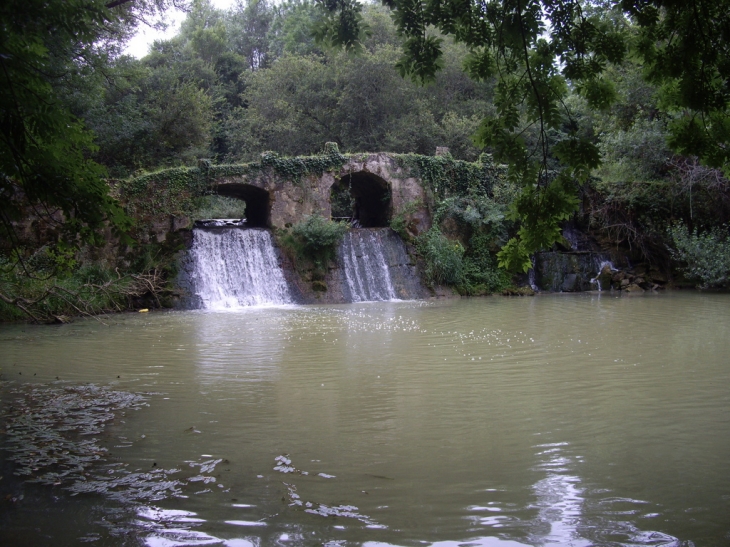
(367, 273)
(531, 278)
(570, 272)
(234, 267)
(601, 264)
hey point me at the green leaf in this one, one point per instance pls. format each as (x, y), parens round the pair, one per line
(579, 155)
(514, 257)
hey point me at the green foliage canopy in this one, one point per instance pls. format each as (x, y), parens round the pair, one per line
(537, 51)
(705, 257)
(45, 47)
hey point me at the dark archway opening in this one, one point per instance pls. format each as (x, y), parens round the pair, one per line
(361, 197)
(258, 202)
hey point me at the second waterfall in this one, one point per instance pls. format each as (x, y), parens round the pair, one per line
(366, 268)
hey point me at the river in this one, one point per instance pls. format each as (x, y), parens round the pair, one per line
(567, 420)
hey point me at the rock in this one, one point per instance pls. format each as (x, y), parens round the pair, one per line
(646, 285)
(518, 291)
(566, 272)
(604, 277)
(179, 223)
(633, 288)
(624, 283)
(452, 230)
(658, 276)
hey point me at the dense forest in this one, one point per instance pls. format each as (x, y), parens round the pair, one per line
(611, 154)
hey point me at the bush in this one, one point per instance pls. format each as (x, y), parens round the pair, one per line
(400, 221)
(474, 210)
(481, 275)
(54, 284)
(317, 234)
(444, 258)
(705, 256)
(86, 291)
(315, 240)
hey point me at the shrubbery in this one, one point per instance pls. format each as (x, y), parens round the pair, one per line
(472, 270)
(444, 258)
(94, 288)
(400, 221)
(481, 275)
(705, 257)
(316, 234)
(314, 241)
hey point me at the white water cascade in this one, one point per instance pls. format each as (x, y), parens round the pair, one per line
(366, 269)
(234, 267)
(601, 265)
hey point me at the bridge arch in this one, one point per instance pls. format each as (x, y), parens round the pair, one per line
(362, 197)
(258, 202)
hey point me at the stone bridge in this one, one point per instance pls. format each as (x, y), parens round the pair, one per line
(368, 188)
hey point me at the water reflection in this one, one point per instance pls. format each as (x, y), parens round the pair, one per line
(559, 500)
(241, 347)
(171, 528)
(567, 515)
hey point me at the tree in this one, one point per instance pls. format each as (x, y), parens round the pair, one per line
(359, 101)
(44, 148)
(291, 28)
(538, 52)
(249, 28)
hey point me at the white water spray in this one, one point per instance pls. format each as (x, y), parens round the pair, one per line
(234, 268)
(531, 278)
(366, 270)
(601, 265)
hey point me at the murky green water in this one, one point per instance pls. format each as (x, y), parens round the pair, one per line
(580, 420)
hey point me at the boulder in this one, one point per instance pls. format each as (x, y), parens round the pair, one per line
(605, 277)
(633, 289)
(658, 276)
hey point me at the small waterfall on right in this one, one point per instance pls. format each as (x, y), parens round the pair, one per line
(572, 271)
(580, 266)
(604, 271)
(366, 270)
